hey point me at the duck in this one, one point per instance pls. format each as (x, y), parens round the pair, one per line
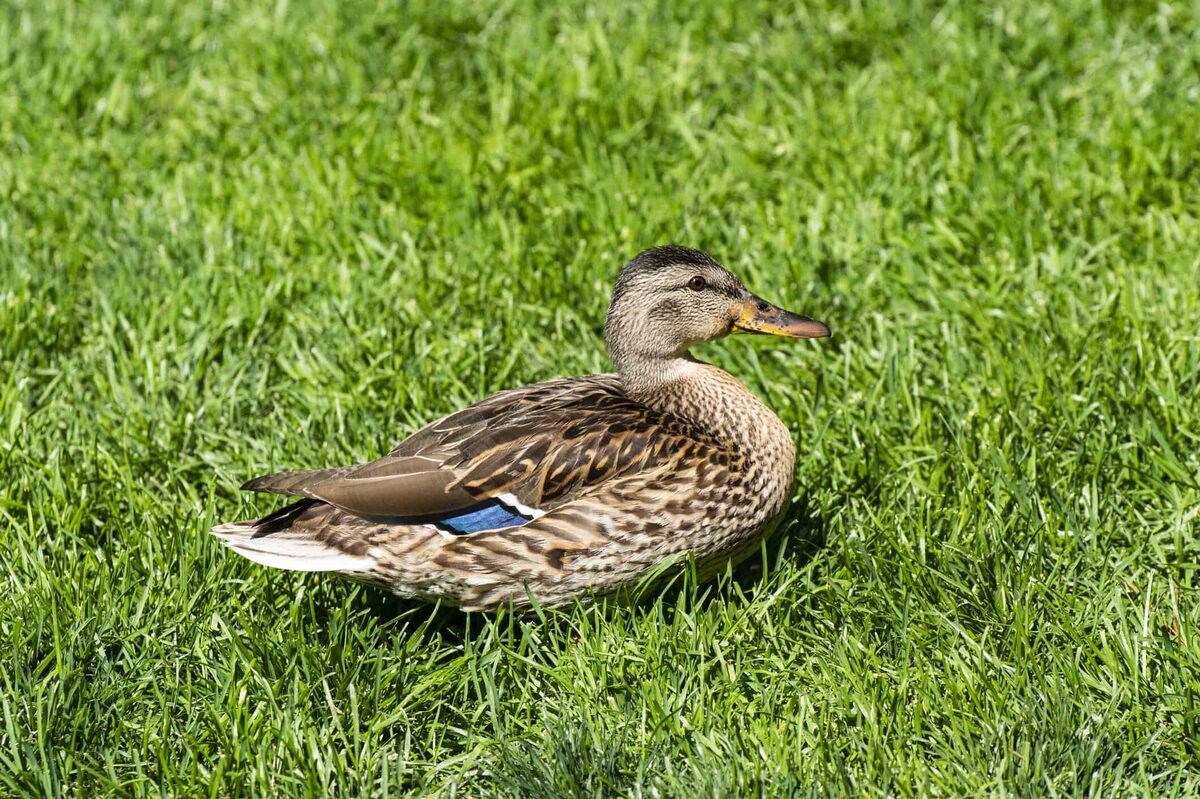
(570, 489)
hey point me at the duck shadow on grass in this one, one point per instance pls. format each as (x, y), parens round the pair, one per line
(801, 535)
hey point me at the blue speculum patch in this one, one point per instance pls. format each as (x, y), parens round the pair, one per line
(491, 515)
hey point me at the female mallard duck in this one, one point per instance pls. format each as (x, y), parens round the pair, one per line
(575, 486)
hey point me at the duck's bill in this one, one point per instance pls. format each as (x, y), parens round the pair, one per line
(760, 316)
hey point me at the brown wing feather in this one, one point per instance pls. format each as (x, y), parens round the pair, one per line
(546, 444)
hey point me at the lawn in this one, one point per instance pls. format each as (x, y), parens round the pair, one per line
(244, 237)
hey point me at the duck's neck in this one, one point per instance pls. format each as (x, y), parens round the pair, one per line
(657, 382)
(711, 397)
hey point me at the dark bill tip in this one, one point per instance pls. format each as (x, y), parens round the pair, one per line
(760, 316)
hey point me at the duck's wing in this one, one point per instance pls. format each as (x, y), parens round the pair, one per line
(524, 452)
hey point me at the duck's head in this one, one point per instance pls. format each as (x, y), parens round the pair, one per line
(670, 298)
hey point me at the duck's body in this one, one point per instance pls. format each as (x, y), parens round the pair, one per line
(570, 487)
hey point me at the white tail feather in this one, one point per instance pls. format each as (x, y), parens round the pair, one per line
(285, 550)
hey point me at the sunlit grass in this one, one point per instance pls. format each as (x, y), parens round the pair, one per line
(235, 239)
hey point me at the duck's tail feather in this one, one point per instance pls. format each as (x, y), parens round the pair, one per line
(294, 483)
(297, 537)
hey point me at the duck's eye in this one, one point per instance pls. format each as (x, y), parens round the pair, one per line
(697, 283)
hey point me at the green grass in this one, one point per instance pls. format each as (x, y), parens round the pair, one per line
(239, 238)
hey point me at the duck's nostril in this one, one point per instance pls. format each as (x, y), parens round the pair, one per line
(764, 307)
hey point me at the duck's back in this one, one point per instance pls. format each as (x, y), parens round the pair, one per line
(537, 446)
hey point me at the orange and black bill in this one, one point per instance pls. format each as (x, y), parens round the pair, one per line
(760, 316)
